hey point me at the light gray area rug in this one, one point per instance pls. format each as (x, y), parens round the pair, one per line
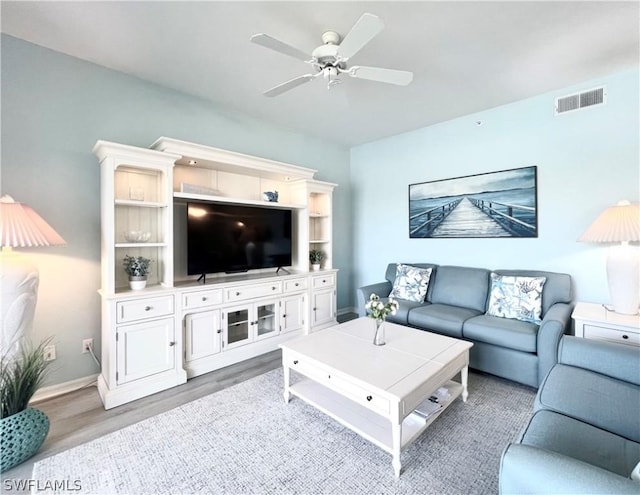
(245, 439)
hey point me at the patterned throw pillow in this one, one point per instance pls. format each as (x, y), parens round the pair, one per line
(411, 283)
(516, 297)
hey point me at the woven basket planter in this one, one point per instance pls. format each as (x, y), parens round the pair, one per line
(22, 435)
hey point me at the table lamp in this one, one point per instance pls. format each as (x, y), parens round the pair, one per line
(620, 224)
(20, 226)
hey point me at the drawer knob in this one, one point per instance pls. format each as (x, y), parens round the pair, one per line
(369, 398)
(171, 344)
(273, 288)
(295, 361)
(204, 298)
(237, 293)
(625, 337)
(284, 316)
(324, 281)
(297, 284)
(148, 308)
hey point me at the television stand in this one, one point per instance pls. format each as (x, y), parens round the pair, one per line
(202, 277)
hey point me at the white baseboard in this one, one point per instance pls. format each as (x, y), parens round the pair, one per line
(64, 388)
(344, 311)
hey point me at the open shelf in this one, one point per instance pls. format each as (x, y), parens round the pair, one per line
(366, 423)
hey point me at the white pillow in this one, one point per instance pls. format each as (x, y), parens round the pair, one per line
(519, 298)
(411, 283)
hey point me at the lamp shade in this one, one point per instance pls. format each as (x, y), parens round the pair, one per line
(21, 226)
(620, 223)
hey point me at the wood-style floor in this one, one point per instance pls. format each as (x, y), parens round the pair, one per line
(79, 417)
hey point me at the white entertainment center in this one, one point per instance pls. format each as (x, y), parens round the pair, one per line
(177, 327)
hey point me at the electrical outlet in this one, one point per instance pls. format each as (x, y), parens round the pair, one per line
(50, 353)
(87, 344)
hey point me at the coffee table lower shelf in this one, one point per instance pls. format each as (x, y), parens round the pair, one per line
(366, 423)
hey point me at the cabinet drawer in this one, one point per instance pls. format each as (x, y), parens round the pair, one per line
(343, 386)
(253, 291)
(295, 285)
(360, 395)
(324, 281)
(201, 298)
(314, 372)
(139, 309)
(603, 333)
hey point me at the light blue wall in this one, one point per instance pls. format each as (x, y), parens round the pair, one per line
(54, 108)
(587, 160)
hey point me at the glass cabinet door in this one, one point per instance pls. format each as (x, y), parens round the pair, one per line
(236, 327)
(266, 321)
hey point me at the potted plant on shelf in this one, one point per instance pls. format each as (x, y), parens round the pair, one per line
(137, 267)
(316, 256)
(23, 429)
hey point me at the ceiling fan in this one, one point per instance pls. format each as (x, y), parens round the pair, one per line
(330, 59)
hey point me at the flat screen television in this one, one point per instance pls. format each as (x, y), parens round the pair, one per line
(236, 238)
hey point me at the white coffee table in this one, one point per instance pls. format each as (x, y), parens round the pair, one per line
(375, 390)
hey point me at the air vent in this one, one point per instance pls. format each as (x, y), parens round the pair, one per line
(569, 103)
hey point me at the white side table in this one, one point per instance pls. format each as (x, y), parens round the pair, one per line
(594, 321)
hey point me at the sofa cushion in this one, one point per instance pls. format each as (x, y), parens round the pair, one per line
(402, 313)
(516, 297)
(392, 268)
(553, 431)
(441, 318)
(596, 399)
(411, 283)
(514, 334)
(557, 288)
(460, 286)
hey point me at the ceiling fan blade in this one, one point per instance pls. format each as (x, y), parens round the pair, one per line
(391, 76)
(279, 46)
(364, 30)
(293, 83)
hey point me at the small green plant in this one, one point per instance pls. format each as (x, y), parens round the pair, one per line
(316, 256)
(20, 376)
(136, 266)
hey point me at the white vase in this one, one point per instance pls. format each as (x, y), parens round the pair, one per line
(378, 339)
(137, 283)
(315, 267)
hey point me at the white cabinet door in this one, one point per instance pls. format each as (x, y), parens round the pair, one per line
(244, 324)
(144, 349)
(265, 322)
(293, 311)
(202, 335)
(323, 307)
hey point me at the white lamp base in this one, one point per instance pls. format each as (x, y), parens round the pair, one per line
(623, 275)
(19, 280)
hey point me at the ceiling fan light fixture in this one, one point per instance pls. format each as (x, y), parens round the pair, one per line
(329, 59)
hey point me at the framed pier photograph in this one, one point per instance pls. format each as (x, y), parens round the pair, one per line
(493, 204)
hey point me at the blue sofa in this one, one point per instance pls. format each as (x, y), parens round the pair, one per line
(584, 435)
(456, 303)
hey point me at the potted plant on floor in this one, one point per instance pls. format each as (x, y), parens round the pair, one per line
(316, 257)
(137, 267)
(23, 429)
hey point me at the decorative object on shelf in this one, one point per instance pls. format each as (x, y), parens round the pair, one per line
(316, 256)
(271, 196)
(137, 236)
(20, 226)
(137, 267)
(379, 311)
(23, 429)
(493, 204)
(620, 224)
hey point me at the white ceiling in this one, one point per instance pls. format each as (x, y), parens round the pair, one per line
(466, 56)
